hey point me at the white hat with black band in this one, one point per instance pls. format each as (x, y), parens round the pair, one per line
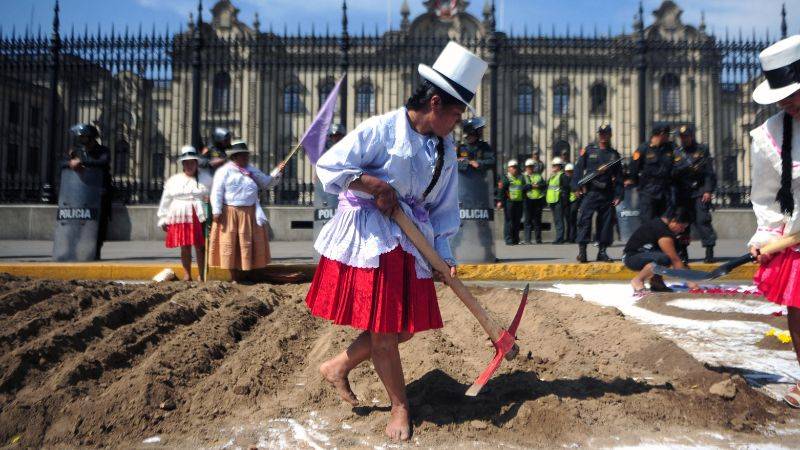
(188, 153)
(238, 147)
(780, 63)
(456, 71)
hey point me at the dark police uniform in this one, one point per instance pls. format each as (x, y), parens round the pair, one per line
(511, 194)
(480, 151)
(99, 157)
(694, 176)
(651, 169)
(600, 194)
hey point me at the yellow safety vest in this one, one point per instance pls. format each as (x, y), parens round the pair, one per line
(554, 188)
(572, 197)
(515, 188)
(535, 193)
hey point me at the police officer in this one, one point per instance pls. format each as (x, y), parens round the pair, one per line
(574, 206)
(557, 197)
(601, 195)
(216, 155)
(510, 198)
(88, 153)
(475, 153)
(535, 188)
(538, 164)
(695, 182)
(651, 170)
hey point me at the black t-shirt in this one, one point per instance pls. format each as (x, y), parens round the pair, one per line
(646, 237)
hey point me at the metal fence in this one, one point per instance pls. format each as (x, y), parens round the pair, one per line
(151, 92)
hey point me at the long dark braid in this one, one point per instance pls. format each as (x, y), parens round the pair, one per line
(785, 196)
(437, 169)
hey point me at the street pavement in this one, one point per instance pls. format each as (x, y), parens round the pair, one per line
(303, 252)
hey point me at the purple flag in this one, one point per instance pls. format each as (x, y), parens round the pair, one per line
(313, 141)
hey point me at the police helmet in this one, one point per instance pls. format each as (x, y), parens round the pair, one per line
(336, 128)
(473, 124)
(661, 128)
(221, 138)
(84, 130)
(604, 129)
(686, 130)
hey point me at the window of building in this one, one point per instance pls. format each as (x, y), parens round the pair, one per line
(13, 113)
(365, 98)
(12, 159)
(525, 97)
(670, 94)
(35, 118)
(561, 98)
(598, 98)
(221, 98)
(122, 154)
(32, 167)
(292, 98)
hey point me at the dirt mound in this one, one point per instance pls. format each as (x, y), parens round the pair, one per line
(90, 363)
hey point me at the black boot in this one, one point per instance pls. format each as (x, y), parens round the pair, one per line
(582, 253)
(602, 256)
(657, 284)
(709, 255)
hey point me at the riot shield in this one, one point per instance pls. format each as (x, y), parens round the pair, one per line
(78, 216)
(474, 242)
(628, 214)
(324, 209)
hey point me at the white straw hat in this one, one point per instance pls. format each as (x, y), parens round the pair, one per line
(780, 63)
(188, 153)
(457, 71)
(238, 147)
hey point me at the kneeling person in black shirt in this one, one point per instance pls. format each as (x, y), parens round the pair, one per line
(654, 243)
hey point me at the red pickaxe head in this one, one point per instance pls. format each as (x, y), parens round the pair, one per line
(504, 348)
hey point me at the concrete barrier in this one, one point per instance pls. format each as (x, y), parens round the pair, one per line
(287, 223)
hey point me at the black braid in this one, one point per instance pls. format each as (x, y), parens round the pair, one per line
(437, 170)
(785, 196)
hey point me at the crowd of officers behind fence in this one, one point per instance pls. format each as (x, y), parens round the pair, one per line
(585, 194)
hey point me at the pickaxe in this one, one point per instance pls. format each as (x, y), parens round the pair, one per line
(699, 275)
(502, 339)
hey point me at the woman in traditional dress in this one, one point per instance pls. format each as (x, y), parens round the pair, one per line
(181, 212)
(239, 238)
(776, 185)
(370, 276)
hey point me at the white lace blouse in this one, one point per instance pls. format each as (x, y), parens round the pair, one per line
(388, 148)
(235, 186)
(182, 195)
(766, 181)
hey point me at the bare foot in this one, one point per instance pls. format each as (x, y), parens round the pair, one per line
(637, 285)
(338, 378)
(399, 427)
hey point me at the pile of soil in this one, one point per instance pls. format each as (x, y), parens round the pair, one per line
(97, 363)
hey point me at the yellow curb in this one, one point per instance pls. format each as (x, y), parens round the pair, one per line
(566, 272)
(476, 272)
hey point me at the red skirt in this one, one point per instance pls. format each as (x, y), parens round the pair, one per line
(183, 234)
(779, 280)
(387, 299)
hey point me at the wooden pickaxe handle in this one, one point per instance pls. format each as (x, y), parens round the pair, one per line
(421, 243)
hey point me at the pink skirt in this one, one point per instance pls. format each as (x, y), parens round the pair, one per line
(779, 280)
(183, 234)
(386, 299)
